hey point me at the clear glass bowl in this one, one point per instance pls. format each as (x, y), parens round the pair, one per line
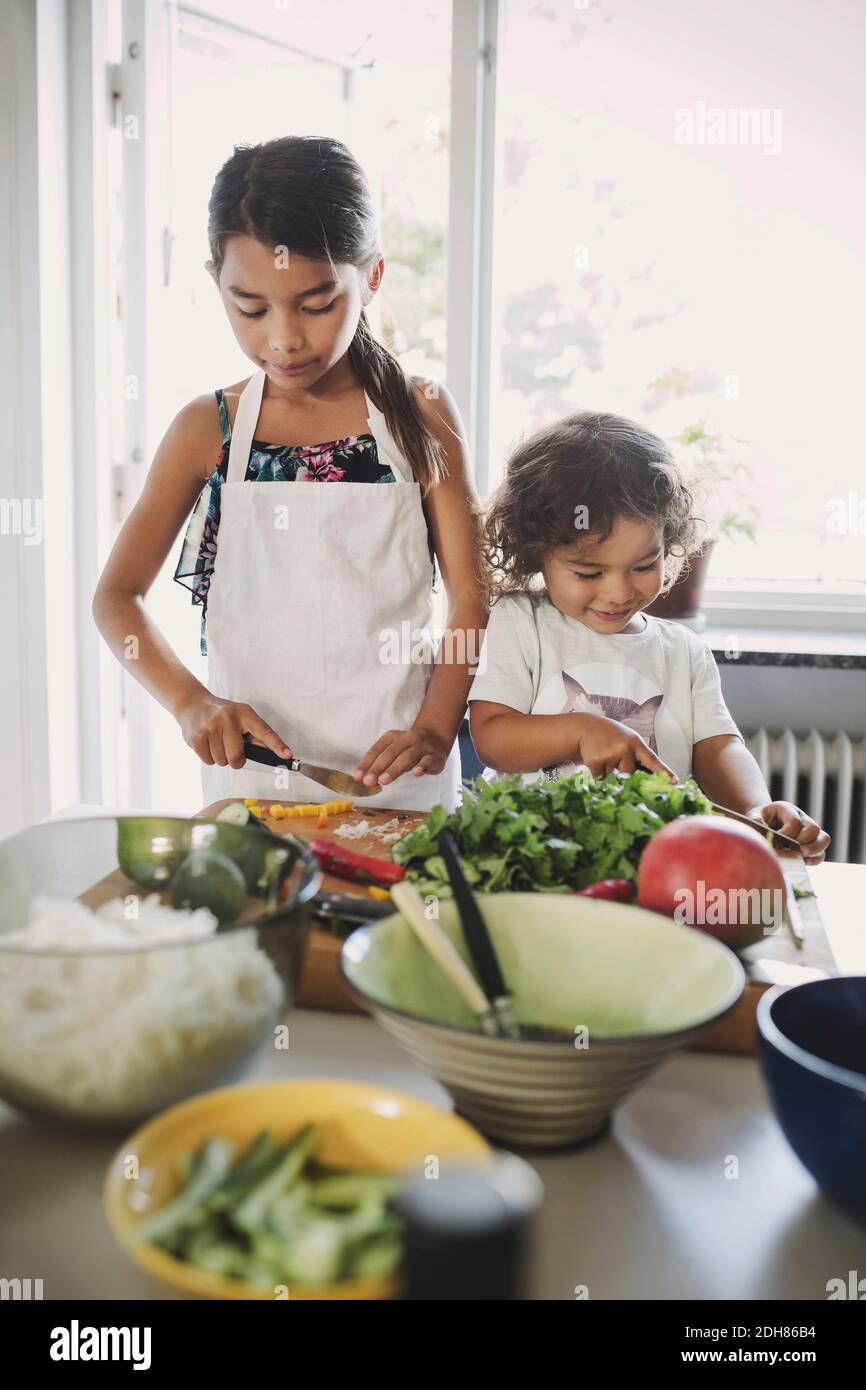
(106, 1019)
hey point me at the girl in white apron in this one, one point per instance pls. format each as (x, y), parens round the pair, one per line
(310, 580)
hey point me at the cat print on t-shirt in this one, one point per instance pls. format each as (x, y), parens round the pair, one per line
(639, 716)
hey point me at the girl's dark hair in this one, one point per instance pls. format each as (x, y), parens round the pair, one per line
(604, 463)
(309, 194)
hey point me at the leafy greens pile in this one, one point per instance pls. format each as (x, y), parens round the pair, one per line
(550, 837)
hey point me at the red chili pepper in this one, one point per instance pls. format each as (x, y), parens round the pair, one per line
(615, 890)
(359, 868)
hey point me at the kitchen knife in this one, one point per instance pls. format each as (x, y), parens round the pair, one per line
(785, 842)
(351, 907)
(335, 781)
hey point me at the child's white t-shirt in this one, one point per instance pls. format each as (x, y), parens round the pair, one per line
(662, 682)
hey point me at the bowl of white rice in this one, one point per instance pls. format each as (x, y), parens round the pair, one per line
(117, 1005)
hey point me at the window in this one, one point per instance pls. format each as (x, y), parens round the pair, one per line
(679, 239)
(374, 77)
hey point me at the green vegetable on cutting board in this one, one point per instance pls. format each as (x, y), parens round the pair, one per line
(548, 837)
(276, 1215)
(236, 813)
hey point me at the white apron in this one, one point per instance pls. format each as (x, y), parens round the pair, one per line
(308, 581)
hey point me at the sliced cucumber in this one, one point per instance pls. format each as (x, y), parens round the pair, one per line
(245, 1173)
(287, 1212)
(235, 814)
(209, 1251)
(378, 1258)
(250, 1213)
(315, 1254)
(350, 1190)
(207, 1171)
(275, 1215)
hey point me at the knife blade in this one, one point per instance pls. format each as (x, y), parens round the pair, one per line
(330, 777)
(785, 842)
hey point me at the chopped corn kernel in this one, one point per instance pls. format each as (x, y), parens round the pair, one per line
(381, 893)
(250, 801)
(326, 808)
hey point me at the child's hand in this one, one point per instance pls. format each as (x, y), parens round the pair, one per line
(605, 744)
(215, 728)
(788, 819)
(397, 751)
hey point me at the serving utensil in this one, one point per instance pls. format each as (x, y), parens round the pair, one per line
(330, 777)
(483, 955)
(411, 905)
(483, 952)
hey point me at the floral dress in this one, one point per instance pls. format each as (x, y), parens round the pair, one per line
(354, 459)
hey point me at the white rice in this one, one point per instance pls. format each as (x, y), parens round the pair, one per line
(130, 1029)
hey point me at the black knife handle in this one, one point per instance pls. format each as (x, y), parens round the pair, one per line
(351, 906)
(257, 753)
(478, 939)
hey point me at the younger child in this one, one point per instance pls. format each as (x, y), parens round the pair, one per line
(573, 672)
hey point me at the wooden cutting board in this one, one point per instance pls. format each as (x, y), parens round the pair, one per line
(775, 960)
(321, 984)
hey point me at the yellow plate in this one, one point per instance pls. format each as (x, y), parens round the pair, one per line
(363, 1127)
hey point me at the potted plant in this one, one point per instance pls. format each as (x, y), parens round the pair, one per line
(717, 476)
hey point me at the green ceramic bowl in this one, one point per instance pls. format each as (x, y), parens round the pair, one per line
(627, 985)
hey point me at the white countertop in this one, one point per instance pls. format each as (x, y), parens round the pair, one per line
(644, 1213)
(647, 1212)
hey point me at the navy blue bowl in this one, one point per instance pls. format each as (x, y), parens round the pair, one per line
(813, 1055)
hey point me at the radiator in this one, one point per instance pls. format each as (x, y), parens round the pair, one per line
(826, 775)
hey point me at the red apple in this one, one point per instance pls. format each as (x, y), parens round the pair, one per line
(715, 874)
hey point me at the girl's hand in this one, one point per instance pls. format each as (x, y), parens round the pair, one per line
(400, 750)
(788, 819)
(605, 744)
(215, 728)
